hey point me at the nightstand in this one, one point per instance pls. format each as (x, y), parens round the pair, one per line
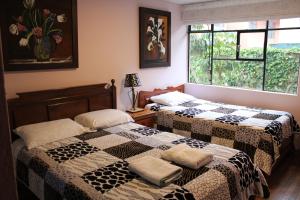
(145, 117)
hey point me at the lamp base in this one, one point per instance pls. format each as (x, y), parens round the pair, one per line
(135, 110)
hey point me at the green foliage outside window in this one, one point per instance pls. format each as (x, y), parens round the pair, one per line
(200, 58)
(225, 45)
(282, 70)
(281, 73)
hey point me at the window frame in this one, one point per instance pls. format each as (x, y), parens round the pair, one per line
(264, 60)
(238, 45)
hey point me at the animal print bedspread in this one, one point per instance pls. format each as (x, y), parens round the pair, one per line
(95, 166)
(257, 132)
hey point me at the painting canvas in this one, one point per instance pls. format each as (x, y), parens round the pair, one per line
(39, 34)
(155, 38)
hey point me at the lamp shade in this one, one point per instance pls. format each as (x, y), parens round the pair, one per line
(132, 80)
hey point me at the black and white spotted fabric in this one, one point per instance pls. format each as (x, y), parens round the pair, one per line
(275, 129)
(146, 131)
(156, 107)
(179, 194)
(108, 177)
(190, 112)
(231, 119)
(71, 151)
(191, 142)
(224, 110)
(247, 174)
(95, 166)
(189, 104)
(233, 126)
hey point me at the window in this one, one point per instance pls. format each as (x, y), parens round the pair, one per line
(259, 55)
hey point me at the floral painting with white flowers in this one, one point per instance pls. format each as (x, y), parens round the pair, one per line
(154, 38)
(39, 32)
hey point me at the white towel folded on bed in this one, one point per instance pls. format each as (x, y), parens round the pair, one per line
(155, 170)
(183, 154)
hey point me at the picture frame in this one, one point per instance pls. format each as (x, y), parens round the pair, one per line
(39, 35)
(154, 38)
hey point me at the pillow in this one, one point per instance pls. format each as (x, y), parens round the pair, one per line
(38, 134)
(103, 118)
(172, 98)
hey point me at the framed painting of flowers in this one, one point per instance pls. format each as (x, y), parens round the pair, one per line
(39, 34)
(155, 38)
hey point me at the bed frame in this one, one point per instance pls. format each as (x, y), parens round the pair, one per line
(46, 105)
(144, 96)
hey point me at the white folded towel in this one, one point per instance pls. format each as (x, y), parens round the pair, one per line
(183, 154)
(155, 170)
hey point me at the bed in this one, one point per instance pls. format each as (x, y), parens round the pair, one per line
(94, 165)
(265, 135)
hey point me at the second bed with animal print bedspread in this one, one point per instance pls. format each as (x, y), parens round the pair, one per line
(260, 133)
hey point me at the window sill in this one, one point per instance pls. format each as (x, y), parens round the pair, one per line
(242, 89)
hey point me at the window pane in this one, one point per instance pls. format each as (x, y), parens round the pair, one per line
(252, 45)
(225, 45)
(200, 27)
(242, 74)
(283, 55)
(199, 60)
(284, 23)
(240, 25)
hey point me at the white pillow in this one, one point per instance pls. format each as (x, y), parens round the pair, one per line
(42, 133)
(172, 98)
(103, 118)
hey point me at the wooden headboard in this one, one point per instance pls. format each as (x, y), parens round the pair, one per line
(144, 96)
(46, 105)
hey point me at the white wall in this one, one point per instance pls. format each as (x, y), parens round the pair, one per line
(109, 48)
(108, 40)
(290, 103)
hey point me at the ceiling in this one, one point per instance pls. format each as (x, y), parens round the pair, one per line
(190, 1)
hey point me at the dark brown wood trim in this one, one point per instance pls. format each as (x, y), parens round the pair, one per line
(7, 180)
(114, 93)
(46, 105)
(142, 114)
(144, 96)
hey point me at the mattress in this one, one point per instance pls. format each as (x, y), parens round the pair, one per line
(258, 132)
(95, 166)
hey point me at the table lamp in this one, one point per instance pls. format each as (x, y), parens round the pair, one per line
(132, 81)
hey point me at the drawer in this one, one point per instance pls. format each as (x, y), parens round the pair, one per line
(146, 122)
